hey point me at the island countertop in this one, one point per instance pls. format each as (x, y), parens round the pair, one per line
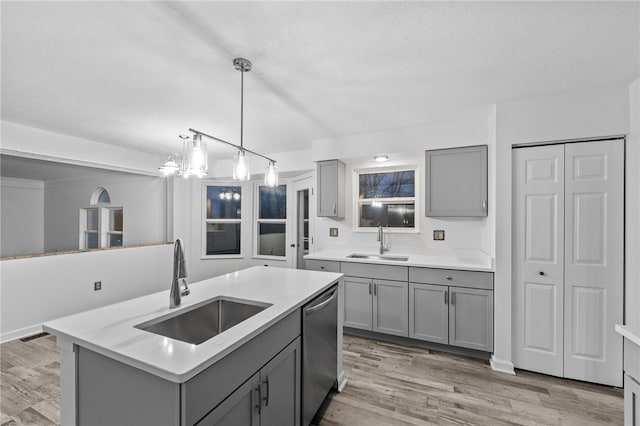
(111, 331)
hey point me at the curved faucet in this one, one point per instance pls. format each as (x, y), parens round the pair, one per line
(179, 273)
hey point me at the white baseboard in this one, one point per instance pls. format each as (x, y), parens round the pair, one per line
(501, 365)
(18, 334)
(342, 381)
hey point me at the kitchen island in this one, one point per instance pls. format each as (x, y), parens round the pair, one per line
(110, 366)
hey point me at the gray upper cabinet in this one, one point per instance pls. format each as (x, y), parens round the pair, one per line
(330, 186)
(456, 182)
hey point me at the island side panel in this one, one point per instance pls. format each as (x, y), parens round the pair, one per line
(112, 393)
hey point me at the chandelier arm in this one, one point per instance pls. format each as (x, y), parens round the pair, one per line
(231, 144)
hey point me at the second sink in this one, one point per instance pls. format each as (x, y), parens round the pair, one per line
(205, 320)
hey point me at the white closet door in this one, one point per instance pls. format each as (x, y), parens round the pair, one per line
(538, 258)
(594, 256)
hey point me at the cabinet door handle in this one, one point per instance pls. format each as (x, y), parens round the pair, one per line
(541, 273)
(369, 287)
(484, 205)
(266, 399)
(375, 289)
(258, 389)
(446, 297)
(453, 297)
(335, 208)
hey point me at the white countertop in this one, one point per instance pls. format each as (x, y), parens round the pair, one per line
(629, 333)
(467, 260)
(110, 330)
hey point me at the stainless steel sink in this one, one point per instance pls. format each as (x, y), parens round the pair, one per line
(204, 320)
(378, 257)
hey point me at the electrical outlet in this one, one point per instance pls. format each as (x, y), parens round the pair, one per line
(97, 285)
(438, 234)
(333, 232)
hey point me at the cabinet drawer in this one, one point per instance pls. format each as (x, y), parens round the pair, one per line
(368, 270)
(453, 277)
(322, 265)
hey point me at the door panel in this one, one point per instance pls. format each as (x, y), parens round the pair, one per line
(429, 312)
(391, 307)
(281, 388)
(358, 304)
(471, 318)
(538, 268)
(594, 253)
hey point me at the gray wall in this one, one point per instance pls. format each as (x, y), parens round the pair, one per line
(22, 217)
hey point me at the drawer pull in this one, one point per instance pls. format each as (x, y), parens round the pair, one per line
(321, 266)
(448, 277)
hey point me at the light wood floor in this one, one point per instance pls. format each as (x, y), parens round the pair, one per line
(388, 384)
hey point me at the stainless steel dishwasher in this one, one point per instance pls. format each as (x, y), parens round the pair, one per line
(319, 351)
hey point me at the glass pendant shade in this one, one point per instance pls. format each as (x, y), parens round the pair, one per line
(241, 167)
(196, 157)
(271, 176)
(170, 167)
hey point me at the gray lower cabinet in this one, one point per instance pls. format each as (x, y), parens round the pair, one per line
(471, 318)
(322, 265)
(429, 312)
(358, 306)
(451, 307)
(271, 397)
(376, 305)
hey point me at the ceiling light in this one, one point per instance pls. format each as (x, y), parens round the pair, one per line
(194, 159)
(381, 158)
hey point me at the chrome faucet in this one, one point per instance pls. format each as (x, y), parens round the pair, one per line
(179, 274)
(383, 247)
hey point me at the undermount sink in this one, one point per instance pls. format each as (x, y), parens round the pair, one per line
(201, 322)
(378, 257)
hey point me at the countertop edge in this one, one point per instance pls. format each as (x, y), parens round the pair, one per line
(340, 258)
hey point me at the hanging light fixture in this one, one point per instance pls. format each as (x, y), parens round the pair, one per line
(193, 162)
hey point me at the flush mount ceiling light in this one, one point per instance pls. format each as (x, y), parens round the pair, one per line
(193, 161)
(381, 158)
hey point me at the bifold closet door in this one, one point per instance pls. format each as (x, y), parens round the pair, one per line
(568, 259)
(594, 261)
(538, 245)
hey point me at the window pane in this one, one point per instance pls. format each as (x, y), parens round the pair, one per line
(91, 240)
(92, 219)
(224, 202)
(271, 239)
(223, 238)
(115, 220)
(387, 185)
(273, 202)
(393, 215)
(115, 240)
(104, 197)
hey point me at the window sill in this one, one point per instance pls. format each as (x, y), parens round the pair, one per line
(280, 258)
(387, 230)
(221, 256)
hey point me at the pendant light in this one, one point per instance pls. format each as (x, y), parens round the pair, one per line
(194, 159)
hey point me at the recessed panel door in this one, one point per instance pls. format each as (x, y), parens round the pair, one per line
(594, 245)
(358, 302)
(538, 270)
(391, 307)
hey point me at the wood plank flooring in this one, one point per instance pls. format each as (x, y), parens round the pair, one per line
(388, 384)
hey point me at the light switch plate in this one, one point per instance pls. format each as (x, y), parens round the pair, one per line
(438, 234)
(97, 285)
(333, 232)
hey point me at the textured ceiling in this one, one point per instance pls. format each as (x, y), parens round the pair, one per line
(136, 74)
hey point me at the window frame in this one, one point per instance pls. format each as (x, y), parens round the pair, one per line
(103, 232)
(205, 221)
(258, 221)
(397, 200)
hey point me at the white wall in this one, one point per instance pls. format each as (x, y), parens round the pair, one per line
(632, 215)
(594, 113)
(39, 289)
(406, 147)
(142, 199)
(22, 218)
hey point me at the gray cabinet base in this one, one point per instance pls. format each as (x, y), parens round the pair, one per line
(418, 343)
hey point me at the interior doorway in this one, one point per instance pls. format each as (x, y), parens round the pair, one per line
(303, 234)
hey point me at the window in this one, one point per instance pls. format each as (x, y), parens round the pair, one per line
(101, 225)
(223, 216)
(386, 197)
(271, 221)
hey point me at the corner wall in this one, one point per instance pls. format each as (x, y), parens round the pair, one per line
(632, 214)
